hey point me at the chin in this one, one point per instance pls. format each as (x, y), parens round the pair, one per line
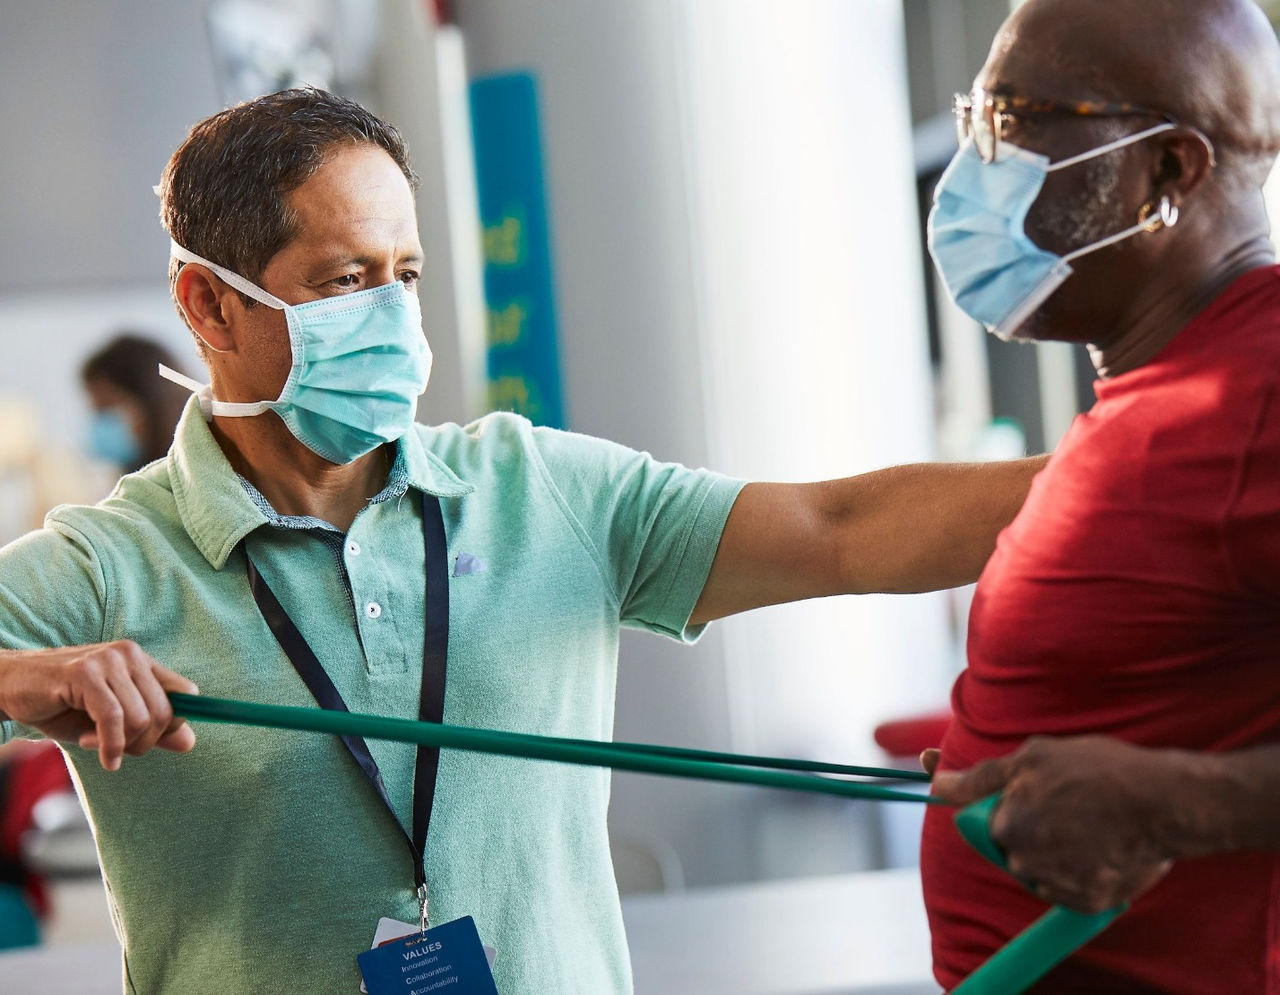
(1025, 333)
(1042, 327)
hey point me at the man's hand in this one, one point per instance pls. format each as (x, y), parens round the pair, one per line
(110, 697)
(1081, 820)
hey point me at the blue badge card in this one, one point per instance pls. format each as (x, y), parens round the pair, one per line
(448, 959)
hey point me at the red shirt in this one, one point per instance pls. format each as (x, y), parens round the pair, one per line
(1137, 594)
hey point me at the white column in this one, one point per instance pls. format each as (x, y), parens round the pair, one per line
(812, 330)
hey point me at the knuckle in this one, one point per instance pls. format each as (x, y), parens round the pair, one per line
(110, 712)
(1035, 747)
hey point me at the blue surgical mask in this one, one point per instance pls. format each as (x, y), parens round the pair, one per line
(978, 238)
(360, 362)
(111, 438)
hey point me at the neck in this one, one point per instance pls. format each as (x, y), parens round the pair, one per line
(1181, 297)
(294, 479)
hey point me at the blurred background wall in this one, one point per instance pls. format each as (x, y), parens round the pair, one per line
(733, 193)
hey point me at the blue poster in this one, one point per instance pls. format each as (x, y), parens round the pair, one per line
(523, 352)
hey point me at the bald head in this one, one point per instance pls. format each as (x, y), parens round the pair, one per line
(1212, 64)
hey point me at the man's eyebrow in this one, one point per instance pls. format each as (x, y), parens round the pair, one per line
(341, 260)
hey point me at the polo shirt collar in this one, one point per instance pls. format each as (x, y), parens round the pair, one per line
(218, 513)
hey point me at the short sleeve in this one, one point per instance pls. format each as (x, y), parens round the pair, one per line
(653, 527)
(52, 593)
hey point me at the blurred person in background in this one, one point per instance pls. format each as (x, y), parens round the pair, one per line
(135, 412)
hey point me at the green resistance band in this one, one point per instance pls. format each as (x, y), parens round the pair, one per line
(1009, 971)
(1044, 944)
(669, 761)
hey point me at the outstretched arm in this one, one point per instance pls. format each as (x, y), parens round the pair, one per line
(901, 530)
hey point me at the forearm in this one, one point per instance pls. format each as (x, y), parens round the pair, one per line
(1220, 802)
(904, 529)
(924, 527)
(9, 661)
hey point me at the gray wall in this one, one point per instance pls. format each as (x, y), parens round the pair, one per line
(97, 96)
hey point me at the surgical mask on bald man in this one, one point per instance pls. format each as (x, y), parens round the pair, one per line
(978, 238)
(360, 362)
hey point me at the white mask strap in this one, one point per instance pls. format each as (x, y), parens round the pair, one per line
(181, 379)
(1111, 240)
(234, 280)
(208, 406)
(1119, 143)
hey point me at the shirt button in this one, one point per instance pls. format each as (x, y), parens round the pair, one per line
(373, 609)
(353, 548)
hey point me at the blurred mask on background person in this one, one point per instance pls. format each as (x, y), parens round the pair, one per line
(112, 438)
(133, 414)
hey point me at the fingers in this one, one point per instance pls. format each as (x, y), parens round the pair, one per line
(125, 696)
(962, 787)
(107, 715)
(1091, 892)
(180, 737)
(929, 760)
(171, 681)
(142, 726)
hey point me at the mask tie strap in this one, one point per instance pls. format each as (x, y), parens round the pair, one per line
(208, 406)
(234, 280)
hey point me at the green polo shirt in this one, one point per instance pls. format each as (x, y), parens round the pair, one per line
(263, 860)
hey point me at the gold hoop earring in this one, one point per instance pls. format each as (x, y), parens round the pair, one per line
(1153, 218)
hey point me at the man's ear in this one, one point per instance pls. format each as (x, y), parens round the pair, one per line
(1186, 162)
(208, 304)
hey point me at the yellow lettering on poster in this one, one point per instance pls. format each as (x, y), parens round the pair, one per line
(507, 324)
(504, 243)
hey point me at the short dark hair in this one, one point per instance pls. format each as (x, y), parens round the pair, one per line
(128, 362)
(222, 194)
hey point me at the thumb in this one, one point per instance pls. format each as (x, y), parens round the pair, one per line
(929, 760)
(962, 787)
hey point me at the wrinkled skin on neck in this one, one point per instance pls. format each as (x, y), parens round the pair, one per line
(1212, 65)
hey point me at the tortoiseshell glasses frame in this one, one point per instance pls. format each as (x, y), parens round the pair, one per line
(983, 116)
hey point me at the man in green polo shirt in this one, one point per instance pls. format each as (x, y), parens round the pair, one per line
(324, 521)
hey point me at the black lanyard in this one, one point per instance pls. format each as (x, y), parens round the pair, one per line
(435, 652)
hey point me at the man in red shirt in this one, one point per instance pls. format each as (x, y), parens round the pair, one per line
(1108, 192)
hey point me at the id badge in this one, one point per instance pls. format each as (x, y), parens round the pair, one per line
(449, 959)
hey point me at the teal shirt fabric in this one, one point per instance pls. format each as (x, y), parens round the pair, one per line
(263, 860)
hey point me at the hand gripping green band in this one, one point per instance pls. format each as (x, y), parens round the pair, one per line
(1012, 969)
(1040, 947)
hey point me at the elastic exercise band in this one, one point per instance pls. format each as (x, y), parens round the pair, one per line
(1040, 947)
(650, 760)
(1010, 970)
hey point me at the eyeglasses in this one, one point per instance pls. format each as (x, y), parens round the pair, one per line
(983, 116)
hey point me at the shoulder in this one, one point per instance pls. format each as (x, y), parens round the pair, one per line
(503, 442)
(139, 511)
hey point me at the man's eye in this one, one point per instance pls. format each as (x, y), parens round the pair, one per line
(409, 279)
(346, 281)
